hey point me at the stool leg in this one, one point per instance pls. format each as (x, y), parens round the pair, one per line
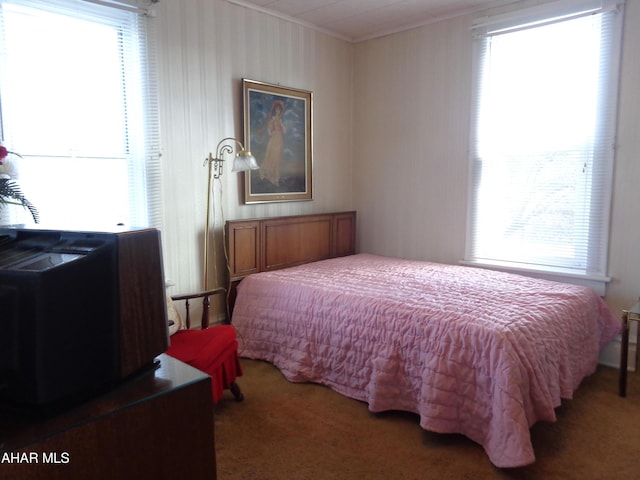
(237, 393)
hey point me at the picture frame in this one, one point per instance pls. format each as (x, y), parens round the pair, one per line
(279, 133)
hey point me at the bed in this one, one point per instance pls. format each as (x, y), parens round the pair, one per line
(472, 351)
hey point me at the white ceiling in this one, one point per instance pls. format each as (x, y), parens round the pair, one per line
(358, 20)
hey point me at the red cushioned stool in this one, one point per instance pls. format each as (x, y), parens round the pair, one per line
(213, 350)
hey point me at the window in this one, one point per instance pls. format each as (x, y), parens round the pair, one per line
(77, 101)
(543, 138)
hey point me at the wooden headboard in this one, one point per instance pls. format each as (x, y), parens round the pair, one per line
(265, 244)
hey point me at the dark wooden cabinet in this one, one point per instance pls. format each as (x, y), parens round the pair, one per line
(158, 425)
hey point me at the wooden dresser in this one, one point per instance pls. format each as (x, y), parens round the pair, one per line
(157, 425)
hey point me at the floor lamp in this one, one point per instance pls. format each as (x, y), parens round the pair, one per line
(242, 161)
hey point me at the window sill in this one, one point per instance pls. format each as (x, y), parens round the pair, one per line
(596, 282)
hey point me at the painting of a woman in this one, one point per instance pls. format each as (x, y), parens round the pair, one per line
(270, 169)
(278, 133)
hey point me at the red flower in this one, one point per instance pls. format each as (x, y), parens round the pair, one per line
(3, 153)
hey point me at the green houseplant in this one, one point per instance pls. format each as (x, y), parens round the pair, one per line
(10, 193)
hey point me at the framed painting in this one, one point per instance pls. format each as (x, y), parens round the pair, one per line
(278, 131)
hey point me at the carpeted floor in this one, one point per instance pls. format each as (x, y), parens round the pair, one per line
(304, 431)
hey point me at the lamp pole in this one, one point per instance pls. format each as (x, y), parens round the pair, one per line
(243, 161)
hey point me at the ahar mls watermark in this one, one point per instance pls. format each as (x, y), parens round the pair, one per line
(35, 457)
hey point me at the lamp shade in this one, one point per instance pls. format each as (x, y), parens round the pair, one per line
(244, 161)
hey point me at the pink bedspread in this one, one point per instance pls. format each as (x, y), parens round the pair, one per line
(472, 351)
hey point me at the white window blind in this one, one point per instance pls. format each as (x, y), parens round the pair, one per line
(78, 102)
(543, 137)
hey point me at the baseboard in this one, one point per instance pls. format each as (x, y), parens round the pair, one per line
(610, 355)
(220, 319)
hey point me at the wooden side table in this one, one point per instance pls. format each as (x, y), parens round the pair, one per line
(631, 315)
